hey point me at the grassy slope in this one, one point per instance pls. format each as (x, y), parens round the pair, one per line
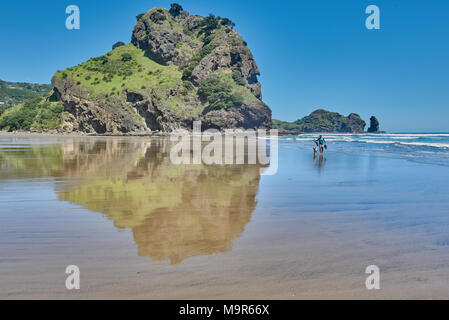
(33, 113)
(110, 77)
(288, 126)
(248, 97)
(14, 93)
(141, 73)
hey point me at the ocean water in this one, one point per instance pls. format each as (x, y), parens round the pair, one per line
(431, 148)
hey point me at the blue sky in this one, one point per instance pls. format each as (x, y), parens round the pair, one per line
(311, 54)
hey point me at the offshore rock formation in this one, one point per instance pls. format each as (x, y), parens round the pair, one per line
(324, 121)
(178, 68)
(375, 126)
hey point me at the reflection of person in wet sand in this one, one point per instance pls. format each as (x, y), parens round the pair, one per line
(319, 161)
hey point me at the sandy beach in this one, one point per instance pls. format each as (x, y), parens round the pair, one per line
(139, 227)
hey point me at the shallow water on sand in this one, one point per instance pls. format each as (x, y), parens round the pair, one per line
(140, 227)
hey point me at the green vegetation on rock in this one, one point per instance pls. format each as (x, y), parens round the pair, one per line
(34, 114)
(178, 68)
(286, 126)
(118, 44)
(14, 93)
(197, 58)
(324, 121)
(125, 66)
(175, 9)
(219, 94)
(237, 76)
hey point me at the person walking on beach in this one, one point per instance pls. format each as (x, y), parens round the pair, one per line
(321, 143)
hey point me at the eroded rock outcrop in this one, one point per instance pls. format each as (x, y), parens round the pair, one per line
(375, 126)
(322, 121)
(176, 70)
(326, 121)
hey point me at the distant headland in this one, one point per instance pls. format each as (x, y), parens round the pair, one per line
(323, 121)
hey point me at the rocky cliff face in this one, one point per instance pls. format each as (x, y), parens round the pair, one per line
(179, 68)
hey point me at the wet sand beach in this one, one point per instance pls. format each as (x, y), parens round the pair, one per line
(140, 227)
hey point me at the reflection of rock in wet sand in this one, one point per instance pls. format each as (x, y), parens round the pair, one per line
(175, 212)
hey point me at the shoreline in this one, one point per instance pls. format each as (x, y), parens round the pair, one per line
(27, 134)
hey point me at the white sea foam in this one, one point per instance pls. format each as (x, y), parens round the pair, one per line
(434, 140)
(423, 144)
(427, 144)
(377, 141)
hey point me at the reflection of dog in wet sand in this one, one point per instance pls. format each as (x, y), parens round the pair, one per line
(315, 149)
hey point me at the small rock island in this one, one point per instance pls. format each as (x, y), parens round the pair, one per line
(323, 121)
